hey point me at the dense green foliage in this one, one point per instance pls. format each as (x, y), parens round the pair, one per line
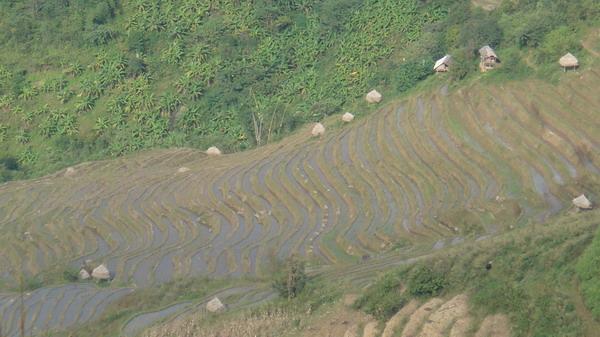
(393, 290)
(588, 269)
(82, 79)
(531, 279)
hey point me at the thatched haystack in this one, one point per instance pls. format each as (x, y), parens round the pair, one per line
(347, 117)
(70, 172)
(442, 65)
(213, 151)
(318, 130)
(215, 305)
(84, 275)
(568, 61)
(101, 273)
(582, 202)
(373, 96)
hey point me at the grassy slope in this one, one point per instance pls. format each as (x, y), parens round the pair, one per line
(533, 278)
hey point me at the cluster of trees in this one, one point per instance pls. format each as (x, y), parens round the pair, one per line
(114, 77)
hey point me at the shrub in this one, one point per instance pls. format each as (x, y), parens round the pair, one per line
(10, 163)
(424, 281)
(70, 275)
(384, 298)
(291, 281)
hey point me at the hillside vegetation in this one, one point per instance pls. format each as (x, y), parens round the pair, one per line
(85, 80)
(436, 170)
(450, 172)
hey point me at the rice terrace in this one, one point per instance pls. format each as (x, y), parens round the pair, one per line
(457, 202)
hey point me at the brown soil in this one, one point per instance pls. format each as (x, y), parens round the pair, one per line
(337, 321)
(443, 318)
(371, 329)
(397, 319)
(419, 316)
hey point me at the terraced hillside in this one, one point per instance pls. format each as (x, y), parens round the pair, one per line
(492, 156)
(430, 171)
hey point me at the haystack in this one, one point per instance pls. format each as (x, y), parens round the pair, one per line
(215, 305)
(443, 64)
(213, 151)
(69, 172)
(84, 275)
(373, 96)
(582, 202)
(101, 273)
(318, 130)
(568, 61)
(347, 117)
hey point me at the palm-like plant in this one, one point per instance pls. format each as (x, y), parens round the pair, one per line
(174, 53)
(64, 96)
(3, 131)
(22, 136)
(86, 104)
(28, 93)
(101, 125)
(168, 103)
(27, 156)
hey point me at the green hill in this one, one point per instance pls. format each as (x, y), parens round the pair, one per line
(395, 215)
(84, 80)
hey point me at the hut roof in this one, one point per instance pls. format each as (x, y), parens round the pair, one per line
(318, 130)
(84, 275)
(373, 96)
(215, 305)
(568, 60)
(447, 59)
(101, 273)
(213, 151)
(487, 51)
(582, 202)
(347, 117)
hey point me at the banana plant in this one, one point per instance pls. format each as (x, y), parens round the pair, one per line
(22, 136)
(28, 93)
(101, 125)
(3, 132)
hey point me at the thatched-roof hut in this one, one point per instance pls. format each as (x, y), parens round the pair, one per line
(213, 151)
(568, 61)
(215, 305)
(101, 273)
(582, 202)
(373, 96)
(347, 117)
(488, 57)
(84, 275)
(318, 130)
(442, 65)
